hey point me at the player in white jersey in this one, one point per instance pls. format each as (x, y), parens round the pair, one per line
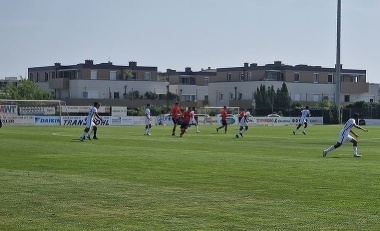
(92, 114)
(148, 120)
(243, 123)
(193, 121)
(304, 113)
(344, 135)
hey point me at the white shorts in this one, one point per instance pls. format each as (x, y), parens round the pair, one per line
(344, 137)
(243, 123)
(89, 123)
(147, 121)
(193, 122)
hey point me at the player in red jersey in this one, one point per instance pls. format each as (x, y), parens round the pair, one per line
(186, 117)
(224, 120)
(175, 112)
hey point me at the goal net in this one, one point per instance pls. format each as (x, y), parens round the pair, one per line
(31, 112)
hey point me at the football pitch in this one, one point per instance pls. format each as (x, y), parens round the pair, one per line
(268, 180)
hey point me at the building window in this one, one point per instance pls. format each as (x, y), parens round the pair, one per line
(228, 77)
(134, 75)
(188, 98)
(116, 95)
(240, 97)
(94, 74)
(206, 81)
(53, 75)
(206, 97)
(231, 96)
(296, 77)
(330, 78)
(187, 80)
(112, 75)
(346, 98)
(147, 76)
(241, 76)
(316, 78)
(249, 77)
(221, 97)
(46, 76)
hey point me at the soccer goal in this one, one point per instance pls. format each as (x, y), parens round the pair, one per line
(32, 112)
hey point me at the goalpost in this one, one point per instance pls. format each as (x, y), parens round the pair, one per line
(28, 112)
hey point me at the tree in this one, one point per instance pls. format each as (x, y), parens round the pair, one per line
(128, 73)
(26, 90)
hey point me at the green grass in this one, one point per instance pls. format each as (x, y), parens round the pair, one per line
(268, 180)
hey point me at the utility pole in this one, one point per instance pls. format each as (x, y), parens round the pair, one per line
(338, 65)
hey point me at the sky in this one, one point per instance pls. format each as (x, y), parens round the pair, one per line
(188, 33)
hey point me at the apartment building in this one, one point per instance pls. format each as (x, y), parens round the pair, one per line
(97, 81)
(213, 87)
(190, 86)
(307, 84)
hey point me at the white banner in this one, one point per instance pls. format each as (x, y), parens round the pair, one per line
(47, 120)
(8, 110)
(81, 120)
(118, 111)
(281, 121)
(18, 120)
(83, 109)
(37, 110)
(127, 120)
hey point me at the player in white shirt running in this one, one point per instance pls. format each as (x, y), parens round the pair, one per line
(193, 121)
(148, 120)
(243, 123)
(304, 113)
(344, 135)
(92, 114)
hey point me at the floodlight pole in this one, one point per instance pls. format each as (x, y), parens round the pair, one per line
(338, 65)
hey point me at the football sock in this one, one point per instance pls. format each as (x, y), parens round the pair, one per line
(330, 148)
(355, 150)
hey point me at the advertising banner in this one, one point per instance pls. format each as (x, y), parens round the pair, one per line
(81, 121)
(8, 110)
(47, 120)
(118, 111)
(37, 110)
(18, 120)
(128, 120)
(165, 119)
(83, 109)
(283, 121)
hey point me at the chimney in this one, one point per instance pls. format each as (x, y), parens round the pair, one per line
(277, 63)
(187, 69)
(89, 62)
(57, 64)
(245, 64)
(133, 64)
(253, 65)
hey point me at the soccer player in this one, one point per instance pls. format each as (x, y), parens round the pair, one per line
(304, 113)
(224, 120)
(94, 129)
(186, 117)
(345, 136)
(148, 120)
(242, 114)
(243, 124)
(175, 112)
(92, 114)
(193, 121)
